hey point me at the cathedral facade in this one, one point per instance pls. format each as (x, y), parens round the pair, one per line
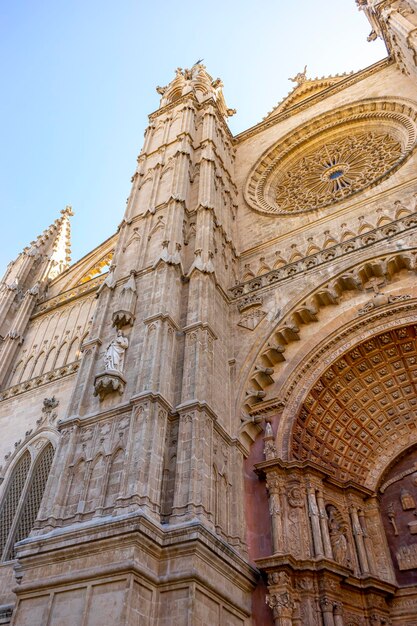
(211, 418)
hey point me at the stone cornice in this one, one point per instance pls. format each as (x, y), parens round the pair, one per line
(44, 379)
(266, 467)
(348, 207)
(278, 561)
(191, 537)
(68, 296)
(163, 317)
(91, 418)
(313, 261)
(200, 326)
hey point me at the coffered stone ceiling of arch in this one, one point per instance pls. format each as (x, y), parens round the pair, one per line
(363, 405)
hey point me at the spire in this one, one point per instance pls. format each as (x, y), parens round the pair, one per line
(60, 244)
(198, 82)
(53, 245)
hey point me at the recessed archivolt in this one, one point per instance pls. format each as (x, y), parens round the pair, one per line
(333, 156)
(374, 271)
(362, 409)
(272, 353)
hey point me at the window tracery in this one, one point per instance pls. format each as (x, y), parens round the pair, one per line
(12, 498)
(332, 157)
(334, 171)
(22, 499)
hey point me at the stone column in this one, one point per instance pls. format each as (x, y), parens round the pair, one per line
(274, 487)
(360, 546)
(327, 606)
(313, 512)
(367, 542)
(338, 614)
(282, 608)
(296, 615)
(324, 526)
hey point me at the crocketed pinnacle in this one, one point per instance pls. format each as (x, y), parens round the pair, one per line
(199, 82)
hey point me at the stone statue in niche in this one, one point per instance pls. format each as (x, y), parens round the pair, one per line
(391, 517)
(115, 353)
(337, 531)
(407, 500)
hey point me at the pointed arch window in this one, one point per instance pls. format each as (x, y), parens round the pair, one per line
(23, 498)
(12, 498)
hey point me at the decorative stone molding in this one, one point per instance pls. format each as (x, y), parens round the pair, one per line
(327, 159)
(312, 261)
(108, 382)
(274, 349)
(125, 313)
(380, 299)
(249, 302)
(67, 296)
(33, 383)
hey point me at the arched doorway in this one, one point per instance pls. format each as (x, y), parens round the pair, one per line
(342, 513)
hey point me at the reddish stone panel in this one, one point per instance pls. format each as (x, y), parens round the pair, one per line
(258, 523)
(399, 514)
(261, 613)
(258, 528)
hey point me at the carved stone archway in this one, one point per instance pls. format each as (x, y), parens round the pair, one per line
(358, 343)
(348, 411)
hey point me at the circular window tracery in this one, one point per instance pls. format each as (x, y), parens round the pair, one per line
(332, 158)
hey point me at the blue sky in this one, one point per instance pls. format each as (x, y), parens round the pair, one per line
(79, 80)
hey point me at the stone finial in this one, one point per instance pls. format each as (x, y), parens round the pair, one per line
(196, 81)
(300, 78)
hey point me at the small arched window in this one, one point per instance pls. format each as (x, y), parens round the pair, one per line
(22, 499)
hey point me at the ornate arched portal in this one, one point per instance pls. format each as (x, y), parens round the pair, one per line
(340, 471)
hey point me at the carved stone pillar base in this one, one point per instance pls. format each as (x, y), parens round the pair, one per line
(108, 382)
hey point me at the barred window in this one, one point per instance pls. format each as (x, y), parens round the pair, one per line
(12, 498)
(23, 499)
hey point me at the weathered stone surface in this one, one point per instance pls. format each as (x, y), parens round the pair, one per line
(239, 387)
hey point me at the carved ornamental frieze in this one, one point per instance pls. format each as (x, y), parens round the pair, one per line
(398, 494)
(333, 157)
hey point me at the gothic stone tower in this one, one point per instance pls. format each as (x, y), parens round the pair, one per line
(211, 418)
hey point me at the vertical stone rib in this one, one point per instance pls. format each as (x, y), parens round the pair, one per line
(358, 536)
(315, 521)
(324, 526)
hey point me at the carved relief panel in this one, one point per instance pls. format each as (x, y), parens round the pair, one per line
(95, 474)
(398, 508)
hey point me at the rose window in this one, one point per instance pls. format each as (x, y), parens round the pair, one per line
(333, 158)
(334, 171)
